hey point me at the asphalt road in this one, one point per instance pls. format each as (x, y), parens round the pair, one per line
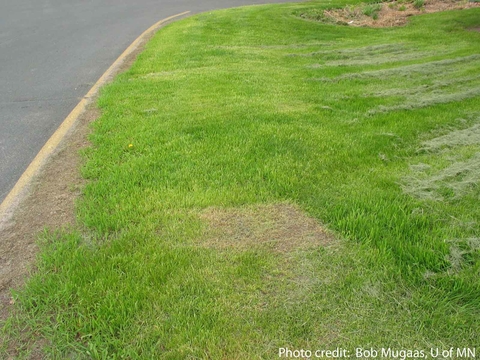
(53, 51)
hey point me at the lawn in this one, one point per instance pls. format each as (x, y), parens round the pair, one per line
(260, 180)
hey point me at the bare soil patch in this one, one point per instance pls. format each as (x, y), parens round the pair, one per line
(282, 227)
(50, 205)
(395, 13)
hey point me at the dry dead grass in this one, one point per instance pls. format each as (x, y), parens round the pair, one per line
(394, 13)
(281, 227)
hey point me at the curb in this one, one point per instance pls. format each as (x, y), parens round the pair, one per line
(19, 191)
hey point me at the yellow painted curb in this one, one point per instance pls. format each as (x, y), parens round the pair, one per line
(19, 190)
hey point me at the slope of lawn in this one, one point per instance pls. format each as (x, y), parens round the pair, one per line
(260, 181)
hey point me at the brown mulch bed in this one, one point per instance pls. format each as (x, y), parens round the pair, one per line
(395, 13)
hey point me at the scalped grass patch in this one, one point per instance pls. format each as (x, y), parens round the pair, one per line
(280, 227)
(227, 127)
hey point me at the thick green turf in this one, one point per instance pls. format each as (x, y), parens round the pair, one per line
(374, 132)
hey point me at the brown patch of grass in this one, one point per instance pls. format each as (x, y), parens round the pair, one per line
(393, 13)
(281, 227)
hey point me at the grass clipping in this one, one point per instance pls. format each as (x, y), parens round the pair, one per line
(394, 13)
(457, 177)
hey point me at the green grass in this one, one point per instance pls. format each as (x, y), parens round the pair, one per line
(373, 132)
(418, 3)
(372, 10)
